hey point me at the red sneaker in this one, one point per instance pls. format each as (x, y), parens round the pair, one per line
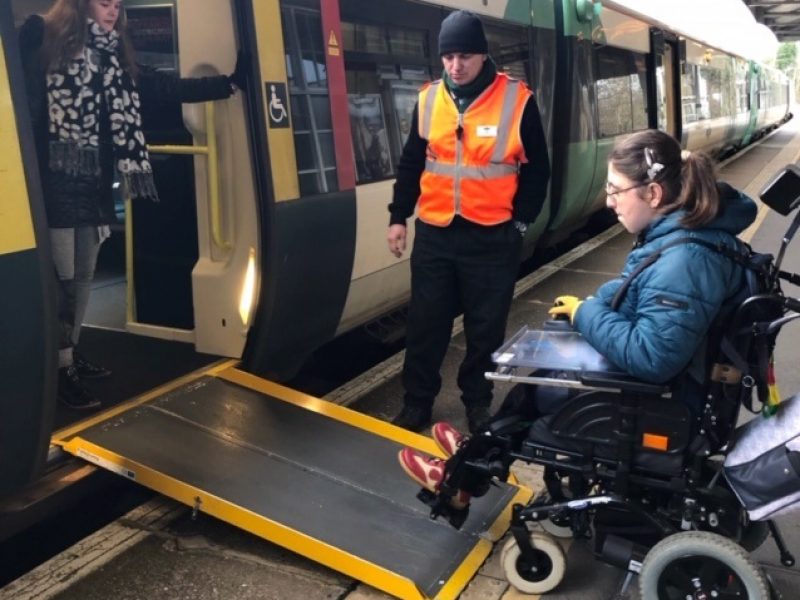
(447, 437)
(429, 473)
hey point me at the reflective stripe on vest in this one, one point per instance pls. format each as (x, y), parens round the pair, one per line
(473, 174)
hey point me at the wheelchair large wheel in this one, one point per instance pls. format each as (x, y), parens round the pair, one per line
(700, 564)
(522, 576)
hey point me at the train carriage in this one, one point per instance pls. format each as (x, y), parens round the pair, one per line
(269, 239)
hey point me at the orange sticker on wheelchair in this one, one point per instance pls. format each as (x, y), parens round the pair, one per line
(655, 441)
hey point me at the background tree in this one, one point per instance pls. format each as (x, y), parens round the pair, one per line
(787, 56)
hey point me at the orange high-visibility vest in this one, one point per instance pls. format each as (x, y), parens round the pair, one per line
(472, 158)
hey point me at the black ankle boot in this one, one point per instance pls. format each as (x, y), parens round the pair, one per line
(477, 417)
(87, 370)
(413, 418)
(71, 391)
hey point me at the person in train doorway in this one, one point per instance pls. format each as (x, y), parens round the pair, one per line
(656, 329)
(476, 167)
(86, 93)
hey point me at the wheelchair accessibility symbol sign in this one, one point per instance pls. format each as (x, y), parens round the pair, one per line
(277, 104)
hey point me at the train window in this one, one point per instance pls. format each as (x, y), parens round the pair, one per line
(716, 96)
(360, 37)
(385, 64)
(690, 105)
(308, 88)
(508, 47)
(742, 96)
(621, 95)
(154, 36)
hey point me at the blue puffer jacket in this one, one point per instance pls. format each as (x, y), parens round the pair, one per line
(669, 306)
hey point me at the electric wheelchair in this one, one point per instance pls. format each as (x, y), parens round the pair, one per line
(636, 472)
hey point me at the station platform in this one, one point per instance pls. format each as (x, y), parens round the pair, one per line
(159, 551)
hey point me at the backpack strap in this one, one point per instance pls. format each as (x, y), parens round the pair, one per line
(649, 260)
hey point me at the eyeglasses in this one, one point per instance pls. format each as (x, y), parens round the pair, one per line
(610, 191)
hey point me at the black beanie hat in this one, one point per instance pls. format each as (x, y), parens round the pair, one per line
(462, 31)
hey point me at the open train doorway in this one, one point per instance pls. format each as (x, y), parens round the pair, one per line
(666, 115)
(175, 269)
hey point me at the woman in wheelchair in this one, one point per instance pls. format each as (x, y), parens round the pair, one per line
(653, 322)
(657, 332)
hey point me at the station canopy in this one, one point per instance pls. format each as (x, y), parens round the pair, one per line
(781, 16)
(728, 25)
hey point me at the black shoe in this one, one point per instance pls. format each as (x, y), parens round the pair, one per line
(477, 418)
(413, 418)
(71, 391)
(87, 370)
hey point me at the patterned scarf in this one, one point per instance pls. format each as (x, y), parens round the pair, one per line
(74, 97)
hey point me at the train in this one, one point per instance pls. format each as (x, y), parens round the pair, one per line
(269, 239)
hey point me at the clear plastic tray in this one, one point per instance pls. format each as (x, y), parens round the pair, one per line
(556, 350)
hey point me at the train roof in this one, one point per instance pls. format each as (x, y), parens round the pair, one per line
(727, 25)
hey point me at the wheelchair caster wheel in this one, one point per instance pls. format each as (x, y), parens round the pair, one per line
(527, 578)
(699, 564)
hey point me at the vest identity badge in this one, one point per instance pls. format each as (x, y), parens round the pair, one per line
(486, 131)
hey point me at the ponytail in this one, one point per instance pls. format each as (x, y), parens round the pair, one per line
(699, 196)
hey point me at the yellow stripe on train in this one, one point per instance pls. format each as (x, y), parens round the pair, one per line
(16, 225)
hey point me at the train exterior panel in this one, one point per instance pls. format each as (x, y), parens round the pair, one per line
(270, 237)
(28, 352)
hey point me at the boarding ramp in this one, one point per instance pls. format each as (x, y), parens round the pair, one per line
(314, 477)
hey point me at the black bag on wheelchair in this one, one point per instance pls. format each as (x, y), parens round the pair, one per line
(763, 467)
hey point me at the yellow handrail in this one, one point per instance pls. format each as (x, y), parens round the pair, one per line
(211, 153)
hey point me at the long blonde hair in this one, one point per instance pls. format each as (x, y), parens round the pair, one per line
(65, 35)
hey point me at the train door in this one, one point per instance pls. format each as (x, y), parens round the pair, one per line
(27, 303)
(665, 87)
(754, 101)
(190, 253)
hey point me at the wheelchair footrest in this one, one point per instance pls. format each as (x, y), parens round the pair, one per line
(440, 507)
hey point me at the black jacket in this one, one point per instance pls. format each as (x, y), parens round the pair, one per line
(72, 201)
(533, 175)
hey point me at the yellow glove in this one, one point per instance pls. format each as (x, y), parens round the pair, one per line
(565, 305)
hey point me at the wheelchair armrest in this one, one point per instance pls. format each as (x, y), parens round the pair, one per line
(622, 383)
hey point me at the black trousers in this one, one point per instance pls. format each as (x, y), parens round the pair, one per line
(462, 267)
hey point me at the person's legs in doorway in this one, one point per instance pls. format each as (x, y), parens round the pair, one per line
(71, 390)
(87, 248)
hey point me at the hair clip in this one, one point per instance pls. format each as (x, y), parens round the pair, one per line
(653, 167)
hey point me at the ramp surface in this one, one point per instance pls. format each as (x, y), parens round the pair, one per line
(314, 477)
